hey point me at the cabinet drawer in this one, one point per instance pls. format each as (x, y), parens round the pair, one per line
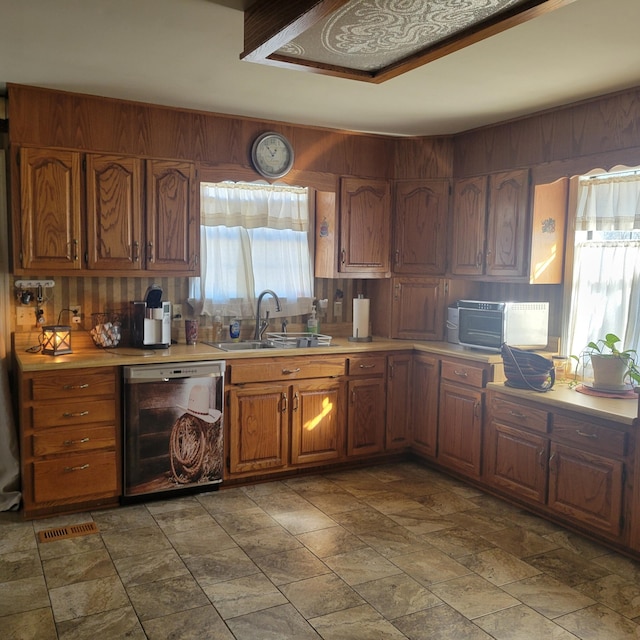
(519, 415)
(473, 376)
(73, 477)
(590, 436)
(263, 370)
(72, 440)
(58, 414)
(79, 383)
(363, 366)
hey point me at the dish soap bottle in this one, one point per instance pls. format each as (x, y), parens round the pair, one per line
(217, 326)
(313, 325)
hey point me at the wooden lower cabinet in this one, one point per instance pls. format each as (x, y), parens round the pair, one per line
(69, 440)
(425, 387)
(572, 467)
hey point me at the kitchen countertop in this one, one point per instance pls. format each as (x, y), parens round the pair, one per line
(86, 354)
(564, 396)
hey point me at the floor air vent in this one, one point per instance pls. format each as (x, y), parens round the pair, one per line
(71, 531)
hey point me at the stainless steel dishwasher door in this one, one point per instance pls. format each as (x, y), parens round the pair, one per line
(173, 427)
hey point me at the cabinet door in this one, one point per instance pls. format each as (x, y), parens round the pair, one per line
(425, 390)
(417, 312)
(516, 460)
(364, 226)
(420, 219)
(469, 220)
(114, 212)
(258, 416)
(586, 487)
(507, 228)
(317, 421)
(51, 240)
(173, 219)
(460, 429)
(365, 416)
(398, 401)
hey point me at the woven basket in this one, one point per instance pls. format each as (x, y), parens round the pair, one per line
(527, 370)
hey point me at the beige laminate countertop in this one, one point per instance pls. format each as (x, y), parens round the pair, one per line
(85, 354)
(563, 396)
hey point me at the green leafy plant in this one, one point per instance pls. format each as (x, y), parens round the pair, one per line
(607, 347)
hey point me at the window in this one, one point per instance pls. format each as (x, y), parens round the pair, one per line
(254, 236)
(605, 294)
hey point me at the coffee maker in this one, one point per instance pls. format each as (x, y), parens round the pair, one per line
(151, 320)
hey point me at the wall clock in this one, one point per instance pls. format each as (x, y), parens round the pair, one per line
(272, 155)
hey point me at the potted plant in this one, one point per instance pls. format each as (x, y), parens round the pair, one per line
(613, 369)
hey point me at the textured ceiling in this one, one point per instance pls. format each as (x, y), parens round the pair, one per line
(185, 53)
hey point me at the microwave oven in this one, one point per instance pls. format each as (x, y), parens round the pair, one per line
(486, 325)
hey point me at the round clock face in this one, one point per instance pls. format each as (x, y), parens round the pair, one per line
(272, 155)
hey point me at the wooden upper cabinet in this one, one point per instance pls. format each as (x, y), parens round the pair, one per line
(420, 225)
(417, 309)
(468, 226)
(365, 226)
(508, 224)
(114, 212)
(173, 221)
(50, 238)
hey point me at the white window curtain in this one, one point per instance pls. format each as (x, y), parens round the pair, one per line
(253, 237)
(605, 294)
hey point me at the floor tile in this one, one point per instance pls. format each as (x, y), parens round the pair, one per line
(567, 566)
(194, 542)
(226, 564)
(195, 624)
(473, 596)
(131, 542)
(522, 623)
(393, 541)
(396, 596)
(520, 542)
(266, 541)
(304, 520)
(20, 564)
(457, 542)
(422, 521)
(25, 594)
(78, 568)
(430, 566)
(363, 520)
(244, 521)
(363, 623)
(149, 567)
(225, 501)
(498, 566)
(615, 592)
(108, 625)
(330, 541)
(321, 595)
(361, 565)
(277, 623)
(28, 625)
(440, 623)
(237, 597)
(599, 622)
(548, 596)
(290, 566)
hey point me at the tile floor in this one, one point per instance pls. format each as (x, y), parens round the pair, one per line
(394, 551)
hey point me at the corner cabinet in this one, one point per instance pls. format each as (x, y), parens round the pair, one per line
(95, 212)
(571, 467)
(421, 209)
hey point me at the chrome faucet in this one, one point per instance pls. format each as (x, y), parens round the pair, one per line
(261, 324)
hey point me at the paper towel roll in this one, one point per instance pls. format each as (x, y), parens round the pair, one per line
(361, 317)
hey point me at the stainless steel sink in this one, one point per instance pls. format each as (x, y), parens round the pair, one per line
(244, 345)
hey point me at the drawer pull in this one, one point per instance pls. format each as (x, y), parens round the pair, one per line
(367, 366)
(68, 387)
(517, 414)
(462, 374)
(68, 443)
(289, 371)
(593, 436)
(78, 414)
(80, 468)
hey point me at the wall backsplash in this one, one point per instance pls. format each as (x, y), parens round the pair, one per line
(98, 295)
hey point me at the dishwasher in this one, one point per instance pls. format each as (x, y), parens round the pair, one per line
(173, 428)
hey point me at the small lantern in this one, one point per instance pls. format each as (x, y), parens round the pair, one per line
(56, 340)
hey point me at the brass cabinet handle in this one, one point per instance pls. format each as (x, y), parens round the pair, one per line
(289, 371)
(516, 414)
(80, 468)
(68, 443)
(296, 401)
(136, 251)
(343, 256)
(367, 366)
(150, 248)
(540, 458)
(75, 249)
(462, 374)
(284, 402)
(67, 387)
(77, 414)
(593, 436)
